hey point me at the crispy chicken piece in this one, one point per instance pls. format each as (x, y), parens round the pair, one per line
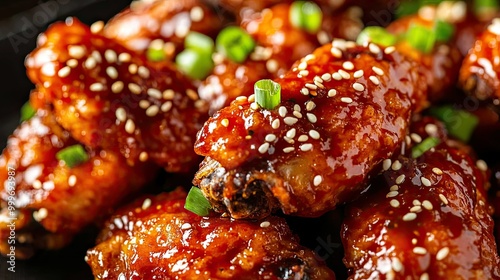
(423, 218)
(481, 67)
(106, 97)
(50, 202)
(144, 21)
(315, 150)
(156, 238)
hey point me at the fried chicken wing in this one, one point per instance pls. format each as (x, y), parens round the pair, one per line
(48, 201)
(423, 218)
(106, 97)
(344, 108)
(156, 237)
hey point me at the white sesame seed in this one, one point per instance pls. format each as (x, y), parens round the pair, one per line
(374, 48)
(427, 204)
(374, 80)
(132, 69)
(254, 106)
(443, 199)
(263, 148)
(76, 51)
(96, 87)
(143, 156)
(282, 111)
(419, 250)
(311, 86)
(314, 134)
(37, 184)
(297, 114)
(416, 138)
(291, 133)
(414, 241)
(130, 126)
(397, 265)
(394, 188)
(426, 182)
(124, 57)
(400, 179)
(409, 217)
(146, 204)
(72, 181)
(48, 69)
(311, 117)
(192, 94)
(144, 104)
(272, 65)
(386, 164)
(291, 120)
(416, 202)
(40, 214)
(348, 65)
(112, 73)
(394, 203)
(378, 71)
(275, 124)
(134, 88)
(296, 107)
(303, 73)
(389, 50)
(304, 91)
(110, 56)
(336, 76)
(332, 92)
(165, 107)
(326, 77)
(396, 165)
(225, 122)
(270, 137)
(392, 194)
(64, 72)
(358, 87)
(336, 52)
(358, 74)
(288, 149)
(97, 56)
(306, 147)
(442, 253)
(117, 87)
(302, 65)
(481, 164)
(186, 226)
(317, 180)
(344, 74)
(265, 224)
(346, 100)
(121, 114)
(168, 94)
(416, 209)
(310, 105)
(90, 63)
(143, 72)
(431, 129)
(196, 14)
(494, 27)
(303, 138)
(97, 26)
(155, 93)
(152, 111)
(72, 63)
(437, 171)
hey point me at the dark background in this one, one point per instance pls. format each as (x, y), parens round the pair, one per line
(20, 23)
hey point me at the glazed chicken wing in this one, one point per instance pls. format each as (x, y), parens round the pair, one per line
(344, 108)
(424, 217)
(106, 97)
(50, 201)
(156, 238)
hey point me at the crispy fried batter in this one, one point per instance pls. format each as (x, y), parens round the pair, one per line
(157, 237)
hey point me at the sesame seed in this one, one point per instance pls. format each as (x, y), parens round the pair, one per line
(282, 111)
(165, 107)
(270, 137)
(306, 147)
(314, 134)
(409, 217)
(416, 209)
(437, 171)
(275, 124)
(110, 56)
(37, 184)
(389, 50)
(146, 204)
(64, 72)
(348, 65)
(144, 104)
(304, 91)
(358, 74)
(386, 164)
(416, 202)
(481, 164)
(196, 14)
(97, 26)
(442, 253)
(265, 224)
(40, 214)
(288, 149)
(400, 179)
(296, 107)
(431, 129)
(311, 117)
(124, 57)
(155, 93)
(272, 65)
(112, 73)
(443, 199)
(326, 77)
(416, 138)
(419, 250)
(143, 72)
(97, 56)
(374, 80)
(297, 114)
(152, 111)
(130, 126)
(143, 156)
(168, 94)
(96, 87)
(427, 205)
(225, 122)
(336, 76)
(192, 94)
(344, 74)
(132, 69)
(72, 181)
(358, 87)
(396, 165)
(414, 241)
(336, 52)
(346, 99)
(72, 63)
(332, 92)
(134, 88)
(90, 63)
(121, 114)
(117, 87)
(254, 106)
(291, 133)
(302, 65)
(394, 188)
(374, 48)
(392, 194)
(397, 265)
(425, 181)
(303, 138)
(317, 180)
(378, 71)
(263, 148)
(394, 203)
(311, 86)
(310, 105)
(76, 51)
(303, 73)
(291, 120)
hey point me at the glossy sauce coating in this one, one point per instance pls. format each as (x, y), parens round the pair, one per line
(318, 147)
(106, 97)
(157, 237)
(424, 218)
(53, 201)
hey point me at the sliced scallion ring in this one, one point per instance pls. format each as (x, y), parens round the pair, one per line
(195, 64)
(27, 111)
(267, 93)
(407, 8)
(377, 35)
(444, 31)
(199, 42)
(197, 203)
(234, 43)
(421, 38)
(73, 155)
(422, 147)
(485, 6)
(459, 123)
(306, 15)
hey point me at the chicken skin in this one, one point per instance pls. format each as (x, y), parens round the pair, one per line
(108, 98)
(424, 217)
(48, 200)
(344, 108)
(155, 237)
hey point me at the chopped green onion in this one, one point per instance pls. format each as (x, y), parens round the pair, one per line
(481, 6)
(377, 35)
(155, 54)
(430, 2)
(73, 155)
(195, 64)
(234, 43)
(422, 147)
(267, 93)
(27, 111)
(421, 38)
(306, 15)
(407, 8)
(199, 42)
(459, 123)
(197, 203)
(444, 31)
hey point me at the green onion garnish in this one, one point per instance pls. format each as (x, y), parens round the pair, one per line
(73, 155)
(481, 6)
(27, 111)
(421, 38)
(267, 93)
(199, 42)
(377, 35)
(407, 8)
(422, 147)
(195, 64)
(306, 15)
(155, 54)
(459, 123)
(197, 203)
(234, 43)
(444, 31)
